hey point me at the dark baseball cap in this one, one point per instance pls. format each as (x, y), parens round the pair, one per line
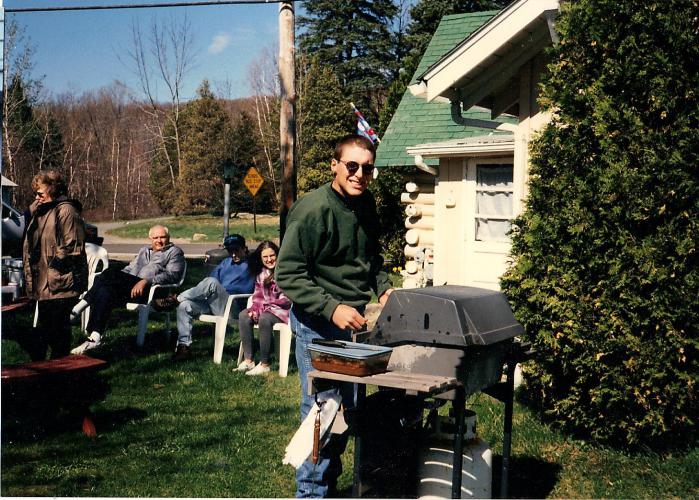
(234, 240)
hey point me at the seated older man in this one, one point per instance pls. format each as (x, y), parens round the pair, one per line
(161, 263)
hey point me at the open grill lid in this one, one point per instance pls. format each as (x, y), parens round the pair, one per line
(446, 315)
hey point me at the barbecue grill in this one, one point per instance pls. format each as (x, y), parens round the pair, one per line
(447, 342)
(458, 334)
(456, 331)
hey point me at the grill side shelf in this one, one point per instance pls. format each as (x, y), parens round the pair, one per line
(411, 382)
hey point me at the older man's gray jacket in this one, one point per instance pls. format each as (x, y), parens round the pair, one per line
(158, 268)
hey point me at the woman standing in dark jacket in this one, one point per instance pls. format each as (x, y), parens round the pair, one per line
(55, 265)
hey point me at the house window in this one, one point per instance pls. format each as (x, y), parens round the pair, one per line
(494, 202)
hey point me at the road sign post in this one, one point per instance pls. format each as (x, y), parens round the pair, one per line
(229, 169)
(253, 181)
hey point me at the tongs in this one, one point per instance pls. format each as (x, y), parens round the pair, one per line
(329, 343)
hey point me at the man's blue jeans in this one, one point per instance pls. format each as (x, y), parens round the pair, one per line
(319, 480)
(207, 297)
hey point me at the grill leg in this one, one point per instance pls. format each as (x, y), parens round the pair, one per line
(360, 396)
(458, 406)
(507, 428)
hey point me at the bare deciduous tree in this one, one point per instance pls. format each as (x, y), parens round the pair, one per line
(167, 47)
(263, 76)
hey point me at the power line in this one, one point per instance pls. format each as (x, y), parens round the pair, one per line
(141, 5)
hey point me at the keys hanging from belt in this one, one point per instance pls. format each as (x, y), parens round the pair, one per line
(316, 432)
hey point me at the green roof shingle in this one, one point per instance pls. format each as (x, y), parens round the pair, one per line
(418, 122)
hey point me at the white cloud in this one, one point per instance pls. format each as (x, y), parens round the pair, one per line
(219, 43)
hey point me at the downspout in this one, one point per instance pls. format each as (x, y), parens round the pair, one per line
(474, 122)
(551, 22)
(420, 163)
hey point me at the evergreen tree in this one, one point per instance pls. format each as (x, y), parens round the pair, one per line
(21, 120)
(324, 118)
(205, 148)
(355, 40)
(606, 276)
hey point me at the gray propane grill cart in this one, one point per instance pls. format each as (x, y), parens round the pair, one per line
(448, 342)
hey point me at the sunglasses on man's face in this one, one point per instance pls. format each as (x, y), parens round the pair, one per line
(353, 166)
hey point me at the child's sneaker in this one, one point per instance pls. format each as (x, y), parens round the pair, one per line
(258, 370)
(245, 367)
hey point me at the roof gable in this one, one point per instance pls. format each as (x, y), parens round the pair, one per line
(452, 30)
(492, 55)
(417, 121)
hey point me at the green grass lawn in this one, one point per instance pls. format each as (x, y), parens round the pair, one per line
(197, 429)
(212, 227)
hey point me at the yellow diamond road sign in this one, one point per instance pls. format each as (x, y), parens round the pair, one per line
(253, 181)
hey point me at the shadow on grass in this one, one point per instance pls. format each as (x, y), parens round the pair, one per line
(529, 477)
(113, 420)
(36, 409)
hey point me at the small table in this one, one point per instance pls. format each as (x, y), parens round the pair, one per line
(64, 378)
(412, 384)
(33, 370)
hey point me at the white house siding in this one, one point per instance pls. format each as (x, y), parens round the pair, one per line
(450, 223)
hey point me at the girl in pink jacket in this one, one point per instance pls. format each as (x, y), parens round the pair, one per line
(269, 307)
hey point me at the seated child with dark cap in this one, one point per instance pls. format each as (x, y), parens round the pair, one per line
(210, 296)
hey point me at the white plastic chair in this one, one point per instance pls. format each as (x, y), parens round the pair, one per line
(284, 345)
(221, 323)
(96, 255)
(144, 310)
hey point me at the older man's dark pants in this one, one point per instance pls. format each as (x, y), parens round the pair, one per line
(111, 289)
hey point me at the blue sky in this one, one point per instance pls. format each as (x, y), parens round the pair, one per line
(77, 50)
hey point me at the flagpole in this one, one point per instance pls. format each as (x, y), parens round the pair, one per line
(365, 130)
(365, 127)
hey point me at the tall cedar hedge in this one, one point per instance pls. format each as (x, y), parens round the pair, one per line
(605, 260)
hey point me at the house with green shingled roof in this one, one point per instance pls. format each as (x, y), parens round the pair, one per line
(464, 125)
(417, 121)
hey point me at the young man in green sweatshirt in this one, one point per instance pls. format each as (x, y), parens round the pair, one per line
(329, 264)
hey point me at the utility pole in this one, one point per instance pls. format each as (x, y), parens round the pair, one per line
(2, 77)
(287, 115)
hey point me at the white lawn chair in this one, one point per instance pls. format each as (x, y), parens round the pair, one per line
(284, 345)
(144, 310)
(221, 323)
(96, 255)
